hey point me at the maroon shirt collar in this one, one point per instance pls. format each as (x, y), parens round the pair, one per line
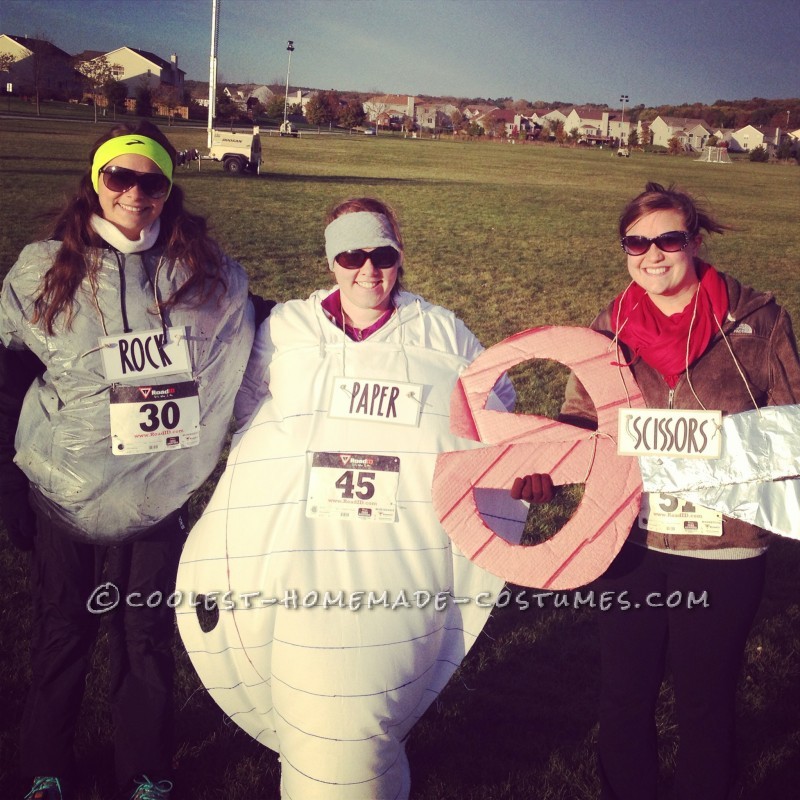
(332, 306)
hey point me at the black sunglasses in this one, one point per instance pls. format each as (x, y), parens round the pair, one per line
(670, 242)
(381, 257)
(119, 179)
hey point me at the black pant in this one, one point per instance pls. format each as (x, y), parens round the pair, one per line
(705, 645)
(65, 574)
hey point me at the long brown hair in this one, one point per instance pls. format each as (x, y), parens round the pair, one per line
(375, 206)
(184, 237)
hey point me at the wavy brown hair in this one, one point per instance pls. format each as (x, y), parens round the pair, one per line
(184, 237)
(657, 198)
(375, 206)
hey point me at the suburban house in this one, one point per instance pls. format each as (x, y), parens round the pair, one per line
(39, 64)
(691, 133)
(388, 110)
(475, 111)
(501, 121)
(261, 93)
(749, 137)
(434, 116)
(136, 68)
(299, 98)
(550, 117)
(525, 123)
(596, 125)
(723, 135)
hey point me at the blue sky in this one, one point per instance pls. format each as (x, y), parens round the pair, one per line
(580, 51)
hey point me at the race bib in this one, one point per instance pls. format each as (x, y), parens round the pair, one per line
(147, 419)
(379, 401)
(144, 354)
(349, 486)
(665, 513)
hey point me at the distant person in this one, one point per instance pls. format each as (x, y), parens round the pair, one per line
(694, 338)
(326, 507)
(134, 329)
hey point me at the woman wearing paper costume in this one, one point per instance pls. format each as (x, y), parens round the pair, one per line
(135, 330)
(326, 501)
(695, 338)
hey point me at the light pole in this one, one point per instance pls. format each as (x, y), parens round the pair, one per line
(290, 48)
(212, 68)
(623, 98)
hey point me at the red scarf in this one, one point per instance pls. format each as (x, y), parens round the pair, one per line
(660, 340)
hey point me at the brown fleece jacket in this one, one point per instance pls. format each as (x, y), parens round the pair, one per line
(760, 334)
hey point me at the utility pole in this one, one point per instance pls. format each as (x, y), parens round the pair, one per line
(623, 99)
(212, 75)
(290, 48)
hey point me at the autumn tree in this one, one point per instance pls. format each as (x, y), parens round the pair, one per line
(274, 109)
(227, 110)
(169, 97)
(144, 100)
(352, 114)
(116, 93)
(43, 64)
(458, 121)
(6, 60)
(96, 74)
(319, 110)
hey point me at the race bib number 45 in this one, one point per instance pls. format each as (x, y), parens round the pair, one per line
(147, 419)
(353, 486)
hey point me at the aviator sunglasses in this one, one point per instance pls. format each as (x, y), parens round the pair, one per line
(670, 242)
(381, 257)
(119, 179)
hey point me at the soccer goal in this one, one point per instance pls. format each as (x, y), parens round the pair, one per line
(715, 155)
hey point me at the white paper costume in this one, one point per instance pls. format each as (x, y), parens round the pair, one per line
(335, 690)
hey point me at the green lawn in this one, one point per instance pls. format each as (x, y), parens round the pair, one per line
(509, 237)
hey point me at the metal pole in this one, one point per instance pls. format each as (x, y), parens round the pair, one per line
(623, 99)
(212, 75)
(290, 48)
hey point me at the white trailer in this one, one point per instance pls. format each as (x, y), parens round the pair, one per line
(237, 151)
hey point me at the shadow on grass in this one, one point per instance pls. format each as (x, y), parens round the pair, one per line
(367, 180)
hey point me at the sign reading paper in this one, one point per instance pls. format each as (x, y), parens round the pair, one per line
(669, 432)
(377, 400)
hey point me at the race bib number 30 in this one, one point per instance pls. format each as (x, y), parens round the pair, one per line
(148, 419)
(349, 486)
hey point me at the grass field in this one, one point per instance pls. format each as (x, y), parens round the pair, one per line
(509, 237)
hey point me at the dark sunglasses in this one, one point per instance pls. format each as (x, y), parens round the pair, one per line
(119, 179)
(670, 242)
(381, 258)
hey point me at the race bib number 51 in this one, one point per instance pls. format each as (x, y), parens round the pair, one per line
(148, 419)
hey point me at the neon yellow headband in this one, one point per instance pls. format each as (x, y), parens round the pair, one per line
(130, 143)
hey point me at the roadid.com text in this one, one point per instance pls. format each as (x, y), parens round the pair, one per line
(107, 596)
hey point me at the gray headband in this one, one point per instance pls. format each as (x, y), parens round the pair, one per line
(358, 230)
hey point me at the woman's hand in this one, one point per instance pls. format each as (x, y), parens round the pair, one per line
(534, 488)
